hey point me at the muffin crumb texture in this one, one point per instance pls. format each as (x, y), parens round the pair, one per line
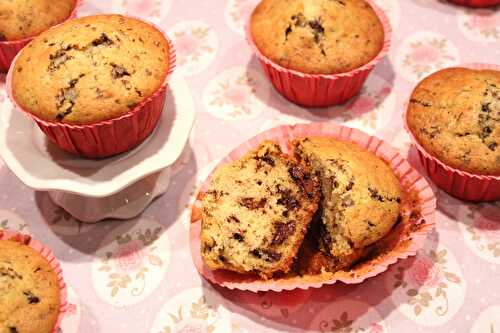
(29, 290)
(256, 212)
(360, 197)
(20, 19)
(90, 69)
(317, 36)
(455, 116)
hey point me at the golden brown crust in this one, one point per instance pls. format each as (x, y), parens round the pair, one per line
(361, 196)
(26, 18)
(317, 36)
(29, 290)
(256, 213)
(90, 69)
(455, 115)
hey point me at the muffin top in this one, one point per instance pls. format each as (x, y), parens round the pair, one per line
(455, 116)
(25, 18)
(361, 194)
(256, 212)
(29, 290)
(317, 36)
(90, 69)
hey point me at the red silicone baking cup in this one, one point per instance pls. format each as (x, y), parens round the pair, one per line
(476, 3)
(458, 183)
(49, 256)
(9, 49)
(319, 90)
(410, 238)
(109, 137)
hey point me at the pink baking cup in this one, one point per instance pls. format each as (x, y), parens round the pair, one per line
(476, 3)
(9, 49)
(49, 255)
(458, 183)
(405, 239)
(109, 137)
(319, 90)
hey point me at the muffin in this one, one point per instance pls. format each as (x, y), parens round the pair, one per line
(30, 290)
(360, 197)
(256, 212)
(317, 36)
(454, 115)
(20, 19)
(90, 69)
(95, 85)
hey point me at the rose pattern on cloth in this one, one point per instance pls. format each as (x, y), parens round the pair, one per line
(428, 289)
(194, 310)
(131, 264)
(481, 231)
(236, 94)
(348, 316)
(481, 25)
(13, 222)
(196, 45)
(274, 304)
(237, 13)
(423, 53)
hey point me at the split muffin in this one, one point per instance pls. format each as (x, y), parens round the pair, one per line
(21, 19)
(360, 198)
(455, 116)
(256, 212)
(29, 290)
(317, 36)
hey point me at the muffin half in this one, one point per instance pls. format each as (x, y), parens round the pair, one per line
(256, 212)
(360, 197)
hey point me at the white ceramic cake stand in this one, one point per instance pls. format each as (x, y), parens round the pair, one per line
(92, 190)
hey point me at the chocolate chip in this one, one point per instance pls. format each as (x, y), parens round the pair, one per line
(318, 29)
(148, 72)
(375, 195)
(271, 255)
(232, 218)
(32, 299)
(2, 37)
(287, 199)
(349, 186)
(486, 107)
(222, 258)
(492, 146)
(12, 330)
(102, 40)
(252, 203)
(288, 31)
(118, 71)
(238, 237)
(282, 231)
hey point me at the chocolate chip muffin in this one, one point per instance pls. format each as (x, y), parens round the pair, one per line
(360, 197)
(455, 116)
(90, 69)
(256, 212)
(20, 19)
(317, 36)
(29, 290)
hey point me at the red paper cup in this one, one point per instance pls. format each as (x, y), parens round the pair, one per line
(458, 183)
(49, 256)
(9, 49)
(418, 213)
(313, 90)
(476, 3)
(109, 137)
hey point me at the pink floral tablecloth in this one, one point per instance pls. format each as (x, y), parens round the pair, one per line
(137, 275)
